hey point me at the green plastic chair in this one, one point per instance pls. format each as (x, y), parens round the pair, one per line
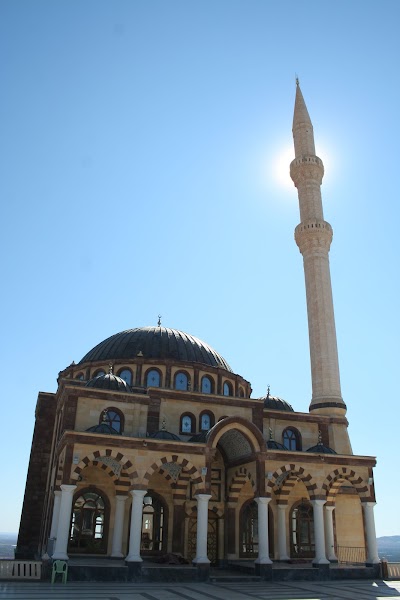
(60, 567)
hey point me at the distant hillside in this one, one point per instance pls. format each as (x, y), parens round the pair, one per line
(8, 541)
(389, 547)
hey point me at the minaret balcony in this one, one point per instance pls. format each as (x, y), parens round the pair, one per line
(306, 167)
(313, 234)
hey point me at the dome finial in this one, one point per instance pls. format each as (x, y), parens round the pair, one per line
(297, 81)
(270, 434)
(110, 369)
(268, 390)
(319, 437)
(164, 425)
(104, 418)
(159, 320)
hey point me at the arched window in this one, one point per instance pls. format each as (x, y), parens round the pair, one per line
(302, 544)
(227, 389)
(248, 530)
(126, 375)
(153, 378)
(114, 418)
(79, 376)
(291, 439)
(89, 523)
(206, 420)
(99, 373)
(241, 392)
(154, 525)
(187, 423)
(206, 385)
(181, 381)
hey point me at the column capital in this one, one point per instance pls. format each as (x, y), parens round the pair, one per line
(330, 508)
(138, 493)
(282, 507)
(68, 489)
(318, 502)
(203, 497)
(120, 498)
(368, 504)
(262, 500)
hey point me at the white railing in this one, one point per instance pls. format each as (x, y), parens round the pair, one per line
(20, 569)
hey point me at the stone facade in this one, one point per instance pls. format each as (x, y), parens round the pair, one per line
(152, 446)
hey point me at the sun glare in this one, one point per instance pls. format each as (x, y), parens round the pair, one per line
(281, 165)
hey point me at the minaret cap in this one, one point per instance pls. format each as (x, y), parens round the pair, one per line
(300, 114)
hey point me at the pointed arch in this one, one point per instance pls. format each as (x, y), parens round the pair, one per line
(239, 479)
(336, 478)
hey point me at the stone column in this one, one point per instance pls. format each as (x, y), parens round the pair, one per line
(263, 542)
(202, 529)
(282, 547)
(64, 522)
(56, 514)
(319, 534)
(116, 548)
(370, 534)
(329, 535)
(136, 526)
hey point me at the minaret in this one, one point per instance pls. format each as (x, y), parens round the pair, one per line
(313, 236)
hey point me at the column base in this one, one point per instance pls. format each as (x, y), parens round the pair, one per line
(203, 571)
(264, 570)
(134, 570)
(320, 562)
(117, 555)
(133, 559)
(201, 561)
(323, 567)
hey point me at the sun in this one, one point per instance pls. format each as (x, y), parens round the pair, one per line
(282, 160)
(280, 167)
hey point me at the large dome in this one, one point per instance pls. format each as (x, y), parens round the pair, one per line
(156, 342)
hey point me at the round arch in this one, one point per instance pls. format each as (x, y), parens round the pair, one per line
(90, 520)
(161, 463)
(285, 478)
(246, 428)
(336, 478)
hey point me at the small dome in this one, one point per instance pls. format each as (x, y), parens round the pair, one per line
(156, 342)
(200, 438)
(109, 382)
(164, 435)
(103, 428)
(275, 403)
(273, 445)
(321, 449)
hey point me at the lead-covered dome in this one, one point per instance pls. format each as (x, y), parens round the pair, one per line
(156, 342)
(109, 381)
(275, 403)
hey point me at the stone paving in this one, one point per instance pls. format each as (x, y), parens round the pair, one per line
(297, 590)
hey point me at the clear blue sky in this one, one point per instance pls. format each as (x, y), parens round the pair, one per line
(141, 144)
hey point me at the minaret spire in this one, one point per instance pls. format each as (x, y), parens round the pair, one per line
(313, 236)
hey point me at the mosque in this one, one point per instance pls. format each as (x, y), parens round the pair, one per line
(152, 446)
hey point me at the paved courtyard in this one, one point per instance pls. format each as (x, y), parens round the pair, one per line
(297, 590)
